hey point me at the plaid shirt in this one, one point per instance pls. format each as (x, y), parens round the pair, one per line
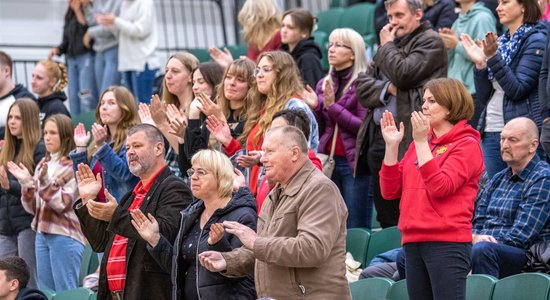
(171, 159)
(515, 209)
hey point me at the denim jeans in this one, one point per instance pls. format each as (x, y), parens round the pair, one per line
(437, 270)
(355, 192)
(58, 259)
(490, 145)
(106, 69)
(496, 259)
(140, 83)
(82, 83)
(22, 245)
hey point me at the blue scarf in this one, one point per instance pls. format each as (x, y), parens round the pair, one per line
(509, 45)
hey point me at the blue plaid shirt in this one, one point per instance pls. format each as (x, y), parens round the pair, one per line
(515, 209)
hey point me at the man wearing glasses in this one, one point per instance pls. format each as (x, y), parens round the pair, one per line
(410, 54)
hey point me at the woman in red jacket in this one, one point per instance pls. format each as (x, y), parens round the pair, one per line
(437, 181)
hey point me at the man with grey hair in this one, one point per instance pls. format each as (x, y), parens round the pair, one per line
(410, 54)
(127, 270)
(299, 250)
(513, 211)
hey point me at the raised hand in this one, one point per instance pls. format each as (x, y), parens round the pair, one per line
(246, 235)
(215, 234)
(99, 133)
(208, 107)
(81, 136)
(147, 227)
(213, 261)
(177, 119)
(490, 45)
(219, 129)
(390, 133)
(328, 92)
(103, 211)
(158, 110)
(145, 114)
(310, 97)
(474, 50)
(43, 171)
(88, 185)
(223, 58)
(21, 173)
(4, 181)
(450, 40)
(250, 160)
(238, 179)
(420, 126)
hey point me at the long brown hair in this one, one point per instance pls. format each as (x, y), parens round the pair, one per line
(129, 117)
(30, 131)
(287, 85)
(65, 130)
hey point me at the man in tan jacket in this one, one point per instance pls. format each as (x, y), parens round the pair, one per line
(299, 251)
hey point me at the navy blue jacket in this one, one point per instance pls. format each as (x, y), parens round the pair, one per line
(241, 208)
(519, 79)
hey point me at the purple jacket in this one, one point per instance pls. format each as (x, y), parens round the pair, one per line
(347, 112)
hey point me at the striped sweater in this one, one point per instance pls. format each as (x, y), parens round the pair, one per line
(50, 199)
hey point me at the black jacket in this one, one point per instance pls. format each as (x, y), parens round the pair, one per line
(145, 279)
(73, 33)
(30, 294)
(52, 104)
(13, 217)
(307, 56)
(441, 14)
(242, 209)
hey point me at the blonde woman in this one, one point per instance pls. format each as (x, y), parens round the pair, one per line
(49, 78)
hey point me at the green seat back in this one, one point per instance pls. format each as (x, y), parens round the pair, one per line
(382, 241)
(328, 20)
(338, 3)
(357, 242)
(237, 50)
(74, 294)
(202, 54)
(398, 291)
(87, 118)
(359, 17)
(89, 262)
(49, 293)
(531, 286)
(480, 287)
(321, 39)
(93, 296)
(370, 288)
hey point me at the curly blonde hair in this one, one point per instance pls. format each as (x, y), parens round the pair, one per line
(259, 18)
(58, 72)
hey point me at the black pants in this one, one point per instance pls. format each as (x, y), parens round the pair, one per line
(437, 270)
(387, 211)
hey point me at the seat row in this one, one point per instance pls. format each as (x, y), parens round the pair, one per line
(532, 286)
(364, 244)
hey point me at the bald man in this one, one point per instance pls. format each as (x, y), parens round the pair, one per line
(513, 211)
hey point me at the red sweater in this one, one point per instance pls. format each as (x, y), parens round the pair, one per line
(437, 199)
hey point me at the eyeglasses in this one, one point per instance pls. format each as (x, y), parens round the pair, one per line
(263, 70)
(338, 46)
(199, 173)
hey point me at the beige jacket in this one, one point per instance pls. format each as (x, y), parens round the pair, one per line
(300, 250)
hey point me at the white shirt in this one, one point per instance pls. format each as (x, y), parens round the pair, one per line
(494, 117)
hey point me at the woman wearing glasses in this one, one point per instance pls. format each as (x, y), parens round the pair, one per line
(201, 230)
(278, 87)
(340, 115)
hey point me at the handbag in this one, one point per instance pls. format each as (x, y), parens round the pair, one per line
(327, 161)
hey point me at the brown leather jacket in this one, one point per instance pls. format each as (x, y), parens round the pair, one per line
(300, 249)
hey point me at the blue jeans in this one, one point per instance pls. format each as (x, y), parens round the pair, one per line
(140, 83)
(437, 270)
(58, 259)
(355, 192)
(496, 259)
(490, 145)
(106, 68)
(22, 245)
(82, 83)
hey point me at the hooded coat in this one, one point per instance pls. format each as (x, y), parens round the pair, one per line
(52, 104)
(307, 56)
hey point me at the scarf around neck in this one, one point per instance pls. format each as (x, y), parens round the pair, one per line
(508, 45)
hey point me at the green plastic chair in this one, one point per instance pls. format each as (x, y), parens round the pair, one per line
(89, 263)
(480, 287)
(360, 17)
(74, 294)
(357, 243)
(87, 118)
(398, 291)
(338, 3)
(321, 39)
(370, 288)
(382, 241)
(49, 293)
(237, 50)
(531, 286)
(93, 296)
(330, 19)
(202, 54)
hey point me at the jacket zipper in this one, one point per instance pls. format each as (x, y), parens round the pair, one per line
(197, 262)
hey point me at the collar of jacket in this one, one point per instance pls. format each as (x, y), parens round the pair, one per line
(298, 180)
(424, 26)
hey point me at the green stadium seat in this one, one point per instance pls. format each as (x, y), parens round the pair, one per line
(531, 286)
(360, 17)
(480, 287)
(49, 293)
(88, 264)
(237, 50)
(398, 291)
(370, 288)
(338, 3)
(202, 54)
(382, 241)
(74, 294)
(87, 118)
(357, 243)
(330, 19)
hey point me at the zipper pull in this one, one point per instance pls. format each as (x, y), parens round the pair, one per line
(302, 288)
